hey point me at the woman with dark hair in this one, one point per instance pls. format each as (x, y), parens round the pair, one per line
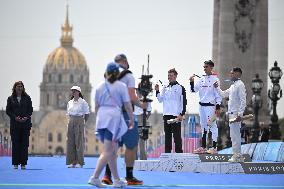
(110, 96)
(19, 108)
(78, 111)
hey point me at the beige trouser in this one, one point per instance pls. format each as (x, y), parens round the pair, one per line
(235, 134)
(75, 141)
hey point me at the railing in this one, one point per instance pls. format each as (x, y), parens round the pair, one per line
(189, 144)
(5, 146)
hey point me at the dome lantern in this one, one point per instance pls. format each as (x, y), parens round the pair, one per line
(66, 37)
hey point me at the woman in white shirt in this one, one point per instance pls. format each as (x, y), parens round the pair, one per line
(110, 96)
(78, 111)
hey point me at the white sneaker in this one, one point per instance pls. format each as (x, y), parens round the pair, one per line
(237, 158)
(240, 158)
(96, 182)
(78, 166)
(119, 183)
(71, 166)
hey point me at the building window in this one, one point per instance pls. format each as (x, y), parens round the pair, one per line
(47, 99)
(33, 147)
(50, 147)
(97, 149)
(59, 78)
(60, 101)
(49, 78)
(49, 137)
(82, 79)
(33, 139)
(59, 137)
(71, 79)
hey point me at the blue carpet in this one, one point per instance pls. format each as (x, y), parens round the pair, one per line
(51, 172)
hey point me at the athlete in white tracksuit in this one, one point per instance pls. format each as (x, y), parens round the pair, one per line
(173, 97)
(209, 101)
(236, 108)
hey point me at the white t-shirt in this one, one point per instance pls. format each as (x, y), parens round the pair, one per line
(77, 108)
(237, 97)
(207, 92)
(129, 80)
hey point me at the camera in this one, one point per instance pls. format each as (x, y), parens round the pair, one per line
(144, 89)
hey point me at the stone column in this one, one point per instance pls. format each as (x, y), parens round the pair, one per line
(240, 39)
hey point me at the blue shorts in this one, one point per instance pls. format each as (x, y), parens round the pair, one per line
(131, 137)
(104, 134)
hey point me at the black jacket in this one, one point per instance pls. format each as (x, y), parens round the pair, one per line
(22, 109)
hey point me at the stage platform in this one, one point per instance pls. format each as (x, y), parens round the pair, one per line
(260, 158)
(207, 163)
(51, 172)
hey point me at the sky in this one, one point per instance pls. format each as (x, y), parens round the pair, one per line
(176, 34)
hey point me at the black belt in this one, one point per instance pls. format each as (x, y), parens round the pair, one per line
(206, 104)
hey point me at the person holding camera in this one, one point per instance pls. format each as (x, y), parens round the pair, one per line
(173, 97)
(131, 137)
(209, 105)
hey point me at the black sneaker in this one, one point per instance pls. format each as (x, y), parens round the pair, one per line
(133, 181)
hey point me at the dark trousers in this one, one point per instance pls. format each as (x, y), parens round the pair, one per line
(175, 130)
(20, 145)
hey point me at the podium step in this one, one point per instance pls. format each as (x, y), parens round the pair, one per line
(207, 163)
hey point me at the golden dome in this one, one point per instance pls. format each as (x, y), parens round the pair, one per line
(66, 56)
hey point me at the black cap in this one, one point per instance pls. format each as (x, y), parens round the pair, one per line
(237, 69)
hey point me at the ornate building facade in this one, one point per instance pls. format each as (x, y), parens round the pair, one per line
(65, 67)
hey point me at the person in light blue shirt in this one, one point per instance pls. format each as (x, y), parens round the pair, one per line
(110, 124)
(131, 137)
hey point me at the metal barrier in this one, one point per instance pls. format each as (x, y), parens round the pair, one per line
(5, 146)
